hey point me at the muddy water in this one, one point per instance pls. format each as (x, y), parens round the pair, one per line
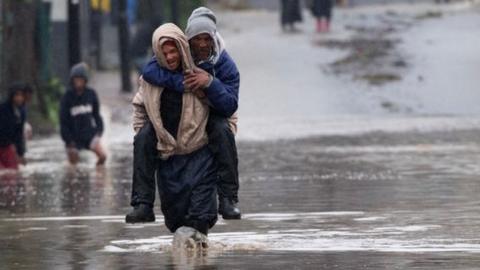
(375, 201)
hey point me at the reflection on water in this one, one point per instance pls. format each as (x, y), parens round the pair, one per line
(12, 190)
(379, 201)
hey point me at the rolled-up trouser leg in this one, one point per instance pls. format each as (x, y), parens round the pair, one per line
(187, 188)
(222, 144)
(144, 166)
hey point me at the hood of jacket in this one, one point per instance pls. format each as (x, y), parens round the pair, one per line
(170, 31)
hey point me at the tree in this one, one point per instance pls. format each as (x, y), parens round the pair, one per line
(18, 39)
(25, 54)
(124, 40)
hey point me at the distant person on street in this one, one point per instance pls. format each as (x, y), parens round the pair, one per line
(12, 121)
(290, 13)
(176, 123)
(219, 80)
(80, 122)
(342, 3)
(322, 10)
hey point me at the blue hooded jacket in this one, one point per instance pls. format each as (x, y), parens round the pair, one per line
(222, 92)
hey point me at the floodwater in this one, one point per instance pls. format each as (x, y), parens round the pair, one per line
(372, 201)
(366, 192)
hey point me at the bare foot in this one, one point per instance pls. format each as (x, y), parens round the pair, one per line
(101, 160)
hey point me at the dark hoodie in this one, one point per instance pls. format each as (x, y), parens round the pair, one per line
(80, 118)
(12, 120)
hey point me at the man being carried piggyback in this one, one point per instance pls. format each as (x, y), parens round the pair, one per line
(216, 78)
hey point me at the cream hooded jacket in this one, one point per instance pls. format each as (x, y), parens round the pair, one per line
(191, 130)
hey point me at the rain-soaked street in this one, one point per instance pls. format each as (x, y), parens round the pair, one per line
(376, 201)
(335, 173)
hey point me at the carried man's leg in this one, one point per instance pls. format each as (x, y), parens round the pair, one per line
(222, 144)
(144, 166)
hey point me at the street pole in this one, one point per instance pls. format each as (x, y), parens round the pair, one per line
(174, 6)
(74, 53)
(124, 39)
(158, 12)
(2, 86)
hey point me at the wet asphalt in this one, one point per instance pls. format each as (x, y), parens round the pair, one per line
(373, 201)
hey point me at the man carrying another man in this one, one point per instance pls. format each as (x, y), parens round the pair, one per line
(217, 79)
(185, 167)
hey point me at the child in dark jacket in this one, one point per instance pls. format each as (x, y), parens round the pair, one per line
(80, 122)
(12, 120)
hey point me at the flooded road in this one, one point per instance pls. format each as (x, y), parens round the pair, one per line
(373, 201)
(388, 179)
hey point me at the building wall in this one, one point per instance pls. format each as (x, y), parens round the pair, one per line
(59, 42)
(59, 39)
(59, 36)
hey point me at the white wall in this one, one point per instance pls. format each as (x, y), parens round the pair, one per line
(59, 10)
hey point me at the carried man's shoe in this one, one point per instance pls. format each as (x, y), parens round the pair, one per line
(141, 213)
(228, 209)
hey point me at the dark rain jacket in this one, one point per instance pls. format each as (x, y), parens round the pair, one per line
(222, 93)
(12, 121)
(80, 118)
(290, 11)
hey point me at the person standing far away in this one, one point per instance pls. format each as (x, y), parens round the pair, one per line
(290, 13)
(12, 121)
(81, 125)
(322, 10)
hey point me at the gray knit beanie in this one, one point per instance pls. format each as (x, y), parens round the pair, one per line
(79, 70)
(202, 21)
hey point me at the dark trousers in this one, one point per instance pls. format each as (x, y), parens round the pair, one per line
(290, 12)
(144, 166)
(221, 144)
(188, 190)
(322, 9)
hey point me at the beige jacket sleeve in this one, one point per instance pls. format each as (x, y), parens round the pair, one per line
(140, 116)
